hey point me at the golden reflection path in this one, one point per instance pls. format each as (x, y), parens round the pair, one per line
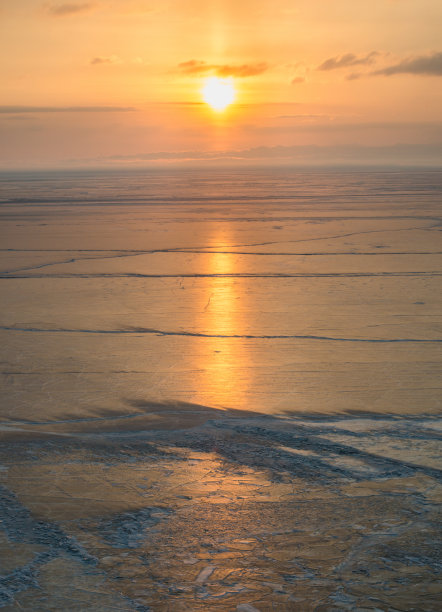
(223, 375)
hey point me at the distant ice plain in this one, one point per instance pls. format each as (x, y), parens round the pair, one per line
(267, 290)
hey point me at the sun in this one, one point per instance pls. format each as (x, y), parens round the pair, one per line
(218, 93)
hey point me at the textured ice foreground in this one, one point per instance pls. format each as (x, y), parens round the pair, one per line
(220, 390)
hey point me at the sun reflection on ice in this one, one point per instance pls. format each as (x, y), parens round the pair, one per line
(224, 376)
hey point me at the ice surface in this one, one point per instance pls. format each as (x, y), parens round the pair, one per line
(220, 390)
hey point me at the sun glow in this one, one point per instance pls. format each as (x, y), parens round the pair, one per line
(218, 93)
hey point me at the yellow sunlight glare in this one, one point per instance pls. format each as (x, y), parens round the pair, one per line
(218, 93)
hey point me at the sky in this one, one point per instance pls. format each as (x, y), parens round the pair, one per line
(118, 82)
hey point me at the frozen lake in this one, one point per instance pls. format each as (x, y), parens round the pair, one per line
(184, 344)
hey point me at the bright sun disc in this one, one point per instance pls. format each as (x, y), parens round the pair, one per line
(218, 93)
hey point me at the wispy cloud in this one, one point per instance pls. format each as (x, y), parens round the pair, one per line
(423, 64)
(106, 59)
(223, 70)
(68, 8)
(348, 59)
(8, 110)
(194, 67)
(306, 117)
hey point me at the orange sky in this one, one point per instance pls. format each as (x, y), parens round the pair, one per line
(112, 82)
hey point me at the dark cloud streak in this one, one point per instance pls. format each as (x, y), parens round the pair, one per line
(424, 65)
(223, 70)
(110, 59)
(348, 59)
(68, 8)
(14, 110)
